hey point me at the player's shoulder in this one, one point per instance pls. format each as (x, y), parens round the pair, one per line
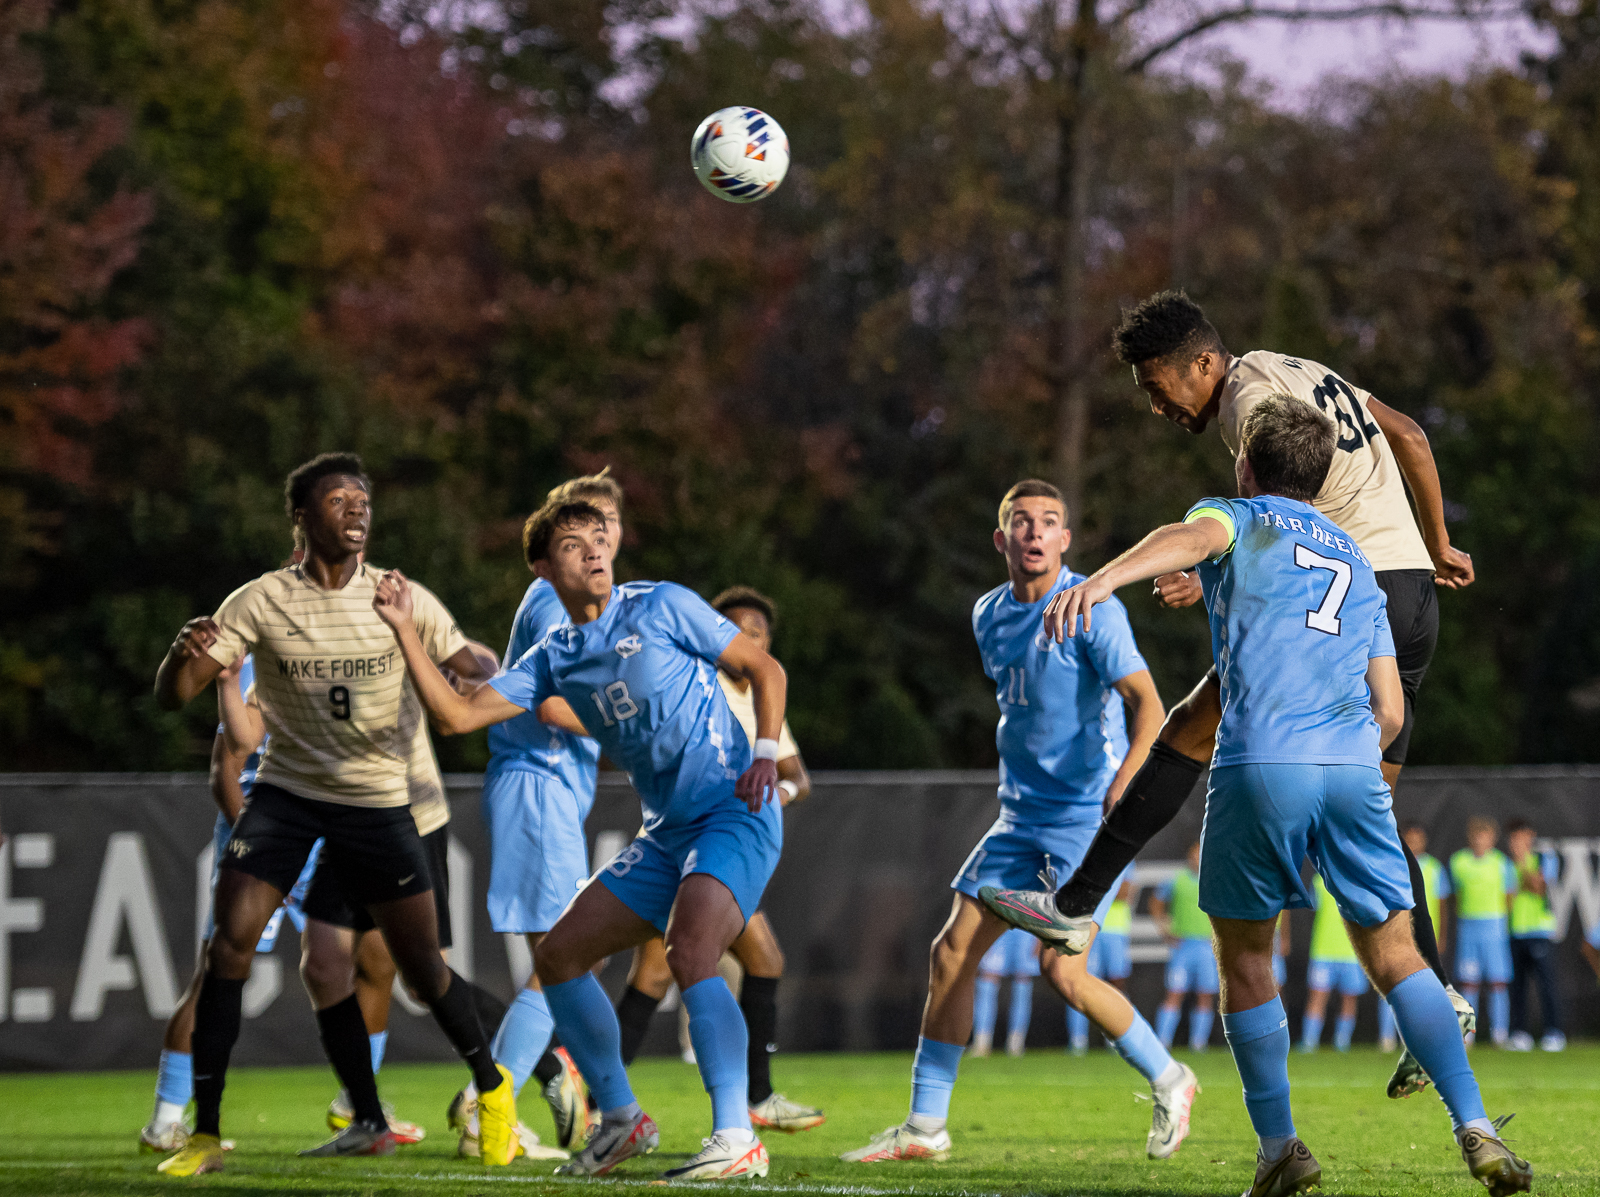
(988, 603)
(540, 604)
(660, 596)
(270, 585)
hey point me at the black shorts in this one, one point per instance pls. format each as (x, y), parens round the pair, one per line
(375, 851)
(327, 902)
(1414, 624)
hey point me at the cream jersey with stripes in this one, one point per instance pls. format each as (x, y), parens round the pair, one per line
(1365, 493)
(743, 705)
(345, 724)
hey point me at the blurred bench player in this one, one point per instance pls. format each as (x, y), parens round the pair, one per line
(1191, 964)
(1333, 966)
(1110, 956)
(1075, 722)
(1013, 957)
(1310, 696)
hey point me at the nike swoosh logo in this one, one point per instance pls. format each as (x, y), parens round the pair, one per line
(405, 879)
(1023, 910)
(292, 632)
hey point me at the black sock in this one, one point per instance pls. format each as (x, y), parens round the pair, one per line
(491, 1010)
(217, 1013)
(345, 1043)
(758, 1002)
(457, 1016)
(1157, 792)
(548, 1067)
(1422, 918)
(634, 1011)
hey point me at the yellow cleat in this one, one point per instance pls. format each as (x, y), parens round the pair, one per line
(497, 1122)
(203, 1153)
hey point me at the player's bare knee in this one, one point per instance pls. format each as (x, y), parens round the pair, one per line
(692, 959)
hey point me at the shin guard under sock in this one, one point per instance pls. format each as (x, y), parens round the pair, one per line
(456, 1012)
(217, 1013)
(758, 1002)
(349, 1050)
(635, 1008)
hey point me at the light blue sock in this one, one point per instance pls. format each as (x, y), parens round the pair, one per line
(1167, 1024)
(1021, 1011)
(1385, 1021)
(175, 1078)
(1140, 1048)
(1428, 1024)
(985, 1006)
(1499, 1013)
(378, 1042)
(1343, 1031)
(721, 1049)
(590, 1033)
(523, 1035)
(1200, 1028)
(1259, 1040)
(933, 1076)
(1310, 1032)
(1078, 1028)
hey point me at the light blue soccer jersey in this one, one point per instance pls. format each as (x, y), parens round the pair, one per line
(1296, 614)
(1062, 730)
(643, 679)
(525, 741)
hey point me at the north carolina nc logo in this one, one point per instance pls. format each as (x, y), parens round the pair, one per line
(626, 648)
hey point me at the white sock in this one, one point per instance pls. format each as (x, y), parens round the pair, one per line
(625, 1113)
(166, 1113)
(736, 1134)
(1272, 1149)
(1170, 1076)
(925, 1124)
(1482, 1125)
(470, 1093)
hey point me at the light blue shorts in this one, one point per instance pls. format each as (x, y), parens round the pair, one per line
(1013, 856)
(1014, 954)
(1192, 965)
(220, 834)
(1483, 951)
(538, 858)
(1262, 821)
(1342, 975)
(737, 848)
(1108, 956)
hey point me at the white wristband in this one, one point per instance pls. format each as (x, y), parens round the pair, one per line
(766, 750)
(791, 790)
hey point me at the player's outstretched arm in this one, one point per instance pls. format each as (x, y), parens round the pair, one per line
(557, 712)
(770, 692)
(1451, 566)
(1388, 700)
(452, 713)
(188, 668)
(1142, 704)
(1174, 547)
(225, 788)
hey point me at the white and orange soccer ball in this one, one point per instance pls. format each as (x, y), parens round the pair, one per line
(740, 154)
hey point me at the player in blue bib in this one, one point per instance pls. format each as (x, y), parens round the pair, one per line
(1310, 695)
(638, 664)
(1076, 720)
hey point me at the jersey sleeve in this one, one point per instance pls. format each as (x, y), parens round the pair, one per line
(540, 610)
(527, 683)
(1221, 510)
(1110, 644)
(238, 624)
(441, 635)
(1382, 637)
(691, 622)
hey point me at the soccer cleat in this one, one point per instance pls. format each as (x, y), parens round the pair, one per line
(569, 1101)
(1294, 1171)
(608, 1146)
(202, 1153)
(341, 1114)
(901, 1143)
(1520, 1041)
(1409, 1075)
(720, 1159)
(357, 1138)
(528, 1144)
(1553, 1041)
(1492, 1162)
(497, 1122)
(777, 1112)
(171, 1137)
(1169, 1122)
(1035, 912)
(1017, 1044)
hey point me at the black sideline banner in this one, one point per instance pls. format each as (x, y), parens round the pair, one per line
(104, 889)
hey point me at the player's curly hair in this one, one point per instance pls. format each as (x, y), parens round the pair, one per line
(303, 479)
(1166, 326)
(587, 488)
(746, 596)
(555, 516)
(1289, 446)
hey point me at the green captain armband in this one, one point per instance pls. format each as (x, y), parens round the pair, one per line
(1222, 516)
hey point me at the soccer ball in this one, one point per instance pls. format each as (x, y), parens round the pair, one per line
(740, 154)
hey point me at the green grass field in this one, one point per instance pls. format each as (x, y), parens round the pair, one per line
(1043, 1124)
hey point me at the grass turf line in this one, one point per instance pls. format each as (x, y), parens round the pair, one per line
(1045, 1124)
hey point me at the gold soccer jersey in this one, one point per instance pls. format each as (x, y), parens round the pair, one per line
(1365, 493)
(743, 706)
(344, 722)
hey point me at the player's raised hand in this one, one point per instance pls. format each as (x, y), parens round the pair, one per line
(1178, 589)
(1062, 612)
(1453, 568)
(195, 637)
(392, 601)
(759, 785)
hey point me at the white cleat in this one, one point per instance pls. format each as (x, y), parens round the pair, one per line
(165, 1138)
(901, 1143)
(610, 1145)
(777, 1112)
(1169, 1122)
(1035, 912)
(721, 1159)
(1017, 1044)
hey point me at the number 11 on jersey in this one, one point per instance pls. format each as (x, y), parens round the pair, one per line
(1015, 693)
